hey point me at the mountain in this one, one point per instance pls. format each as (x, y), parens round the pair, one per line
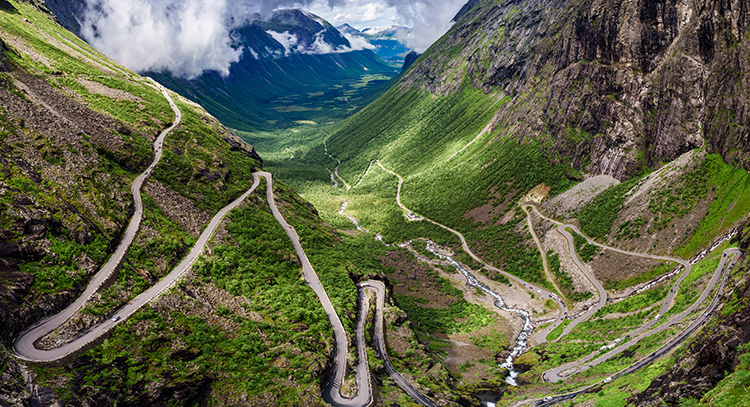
(291, 31)
(623, 118)
(292, 62)
(93, 156)
(386, 40)
(550, 205)
(347, 29)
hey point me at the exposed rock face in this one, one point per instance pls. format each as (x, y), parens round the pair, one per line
(6, 6)
(18, 388)
(608, 86)
(68, 13)
(409, 60)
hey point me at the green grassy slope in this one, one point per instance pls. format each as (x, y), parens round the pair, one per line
(76, 128)
(266, 94)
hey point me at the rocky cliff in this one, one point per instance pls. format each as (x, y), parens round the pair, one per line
(608, 86)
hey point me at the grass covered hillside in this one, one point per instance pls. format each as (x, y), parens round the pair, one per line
(472, 132)
(76, 128)
(566, 108)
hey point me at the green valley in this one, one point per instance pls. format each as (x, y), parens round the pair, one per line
(550, 206)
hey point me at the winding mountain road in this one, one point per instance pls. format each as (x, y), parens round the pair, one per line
(729, 259)
(560, 372)
(379, 288)
(533, 288)
(586, 272)
(666, 303)
(25, 349)
(332, 390)
(24, 344)
(538, 243)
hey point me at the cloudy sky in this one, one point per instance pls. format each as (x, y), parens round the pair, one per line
(188, 37)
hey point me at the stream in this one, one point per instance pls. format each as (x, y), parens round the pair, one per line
(523, 336)
(521, 341)
(344, 204)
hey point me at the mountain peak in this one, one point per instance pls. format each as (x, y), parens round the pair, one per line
(291, 31)
(347, 29)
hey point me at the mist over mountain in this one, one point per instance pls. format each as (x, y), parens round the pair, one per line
(387, 42)
(246, 78)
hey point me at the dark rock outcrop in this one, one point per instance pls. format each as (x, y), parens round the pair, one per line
(608, 86)
(411, 57)
(6, 6)
(68, 12)
(18, 388)
(4, 64)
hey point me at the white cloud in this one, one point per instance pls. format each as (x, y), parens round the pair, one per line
(320, 46)
(289, 41)
(429, 19)
(185, 37)
(358, 43)
(372, 12)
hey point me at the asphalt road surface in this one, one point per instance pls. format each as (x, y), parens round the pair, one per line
(379, 288)
(332, 390)
(24, 344)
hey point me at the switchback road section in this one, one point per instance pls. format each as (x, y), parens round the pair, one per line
(24, 344)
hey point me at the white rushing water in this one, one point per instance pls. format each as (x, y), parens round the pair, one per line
(521, 341)
(523, 336)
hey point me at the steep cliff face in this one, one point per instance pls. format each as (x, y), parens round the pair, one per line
(608, 86)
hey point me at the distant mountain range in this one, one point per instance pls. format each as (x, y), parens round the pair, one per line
(385, 40)
(288, 57)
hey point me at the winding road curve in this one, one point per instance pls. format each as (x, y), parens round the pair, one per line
(332, 390)
(586, 272)
(560, 372)
(544, 293)
(379, 288)
(24, 344)
(729, 259)
(538, 243)
(666, 303)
